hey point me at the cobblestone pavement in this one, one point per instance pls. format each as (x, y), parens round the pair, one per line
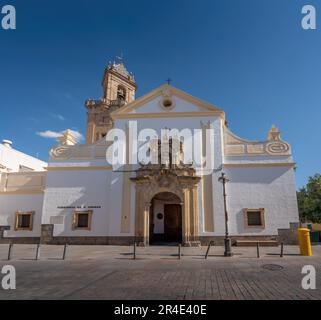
(111, 273)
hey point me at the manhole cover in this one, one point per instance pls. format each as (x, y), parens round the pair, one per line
(272, 267)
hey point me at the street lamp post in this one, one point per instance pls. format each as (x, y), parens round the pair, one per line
(227, 240)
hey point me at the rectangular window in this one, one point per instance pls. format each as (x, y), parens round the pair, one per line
(24, 221)
(254, 218)
(82, 220)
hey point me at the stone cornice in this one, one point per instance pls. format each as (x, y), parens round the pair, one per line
(259, 165)
(129, 111)
(80, 168)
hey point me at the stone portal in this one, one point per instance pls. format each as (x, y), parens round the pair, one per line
(183, 184)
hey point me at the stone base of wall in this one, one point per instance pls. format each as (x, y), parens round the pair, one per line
(128, 241)
(289, 236)
(22, 240)
(2, 230)
(112, 241)
(219, 240)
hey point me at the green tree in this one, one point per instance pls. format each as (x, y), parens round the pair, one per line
(309, 200)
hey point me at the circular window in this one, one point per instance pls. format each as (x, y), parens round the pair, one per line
(160, 216)
(167, 104)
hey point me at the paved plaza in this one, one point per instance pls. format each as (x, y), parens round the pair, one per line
(108, 272)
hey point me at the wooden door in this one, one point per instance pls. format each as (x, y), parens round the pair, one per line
(173, 223)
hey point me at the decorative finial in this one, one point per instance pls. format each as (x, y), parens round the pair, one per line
(274, 134)
(68, 138)
(169, 80)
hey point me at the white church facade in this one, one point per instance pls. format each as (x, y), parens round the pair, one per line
(81, 198)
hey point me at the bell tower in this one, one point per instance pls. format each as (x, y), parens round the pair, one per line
(119, 89)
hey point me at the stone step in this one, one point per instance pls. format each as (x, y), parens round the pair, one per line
(253, 243)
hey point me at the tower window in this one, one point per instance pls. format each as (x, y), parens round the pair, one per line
(121, 93)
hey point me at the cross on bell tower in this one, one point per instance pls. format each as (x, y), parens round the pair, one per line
(120, 58)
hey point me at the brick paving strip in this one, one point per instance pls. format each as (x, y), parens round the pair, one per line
(103, 272)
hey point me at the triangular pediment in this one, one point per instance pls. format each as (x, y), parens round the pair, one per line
(167, 101)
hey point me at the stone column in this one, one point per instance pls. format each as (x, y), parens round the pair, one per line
(190, 218)
(194, 217)
(142, 218)
(146, 224)
(186, 217)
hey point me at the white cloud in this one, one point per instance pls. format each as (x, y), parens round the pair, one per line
(55, 135)
(58, 116)
(49, 134)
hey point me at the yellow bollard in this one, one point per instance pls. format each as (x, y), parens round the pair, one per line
(304, 241)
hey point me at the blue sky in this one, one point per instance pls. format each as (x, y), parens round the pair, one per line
(249, 57)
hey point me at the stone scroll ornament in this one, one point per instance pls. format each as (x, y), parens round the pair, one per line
(64, 150)
(59, 152)
(276, 145)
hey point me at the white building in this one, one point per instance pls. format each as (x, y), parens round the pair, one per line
(12, 160)
(83, 199)
(22, 181)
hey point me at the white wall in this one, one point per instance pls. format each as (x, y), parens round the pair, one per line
(11, 203)
(81, 189)
(115, 198)
(272, 188)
